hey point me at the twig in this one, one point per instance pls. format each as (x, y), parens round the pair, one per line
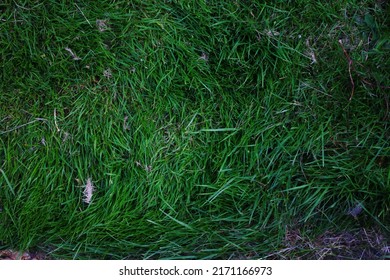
(55, 120)
(7, 117)
(83, 15)
(20, 126)
(375, 86)
(349, 69)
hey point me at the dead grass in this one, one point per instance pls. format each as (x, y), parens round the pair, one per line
(18, 255)
(364, 244)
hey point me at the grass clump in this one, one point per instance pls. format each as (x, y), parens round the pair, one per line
(208, 129)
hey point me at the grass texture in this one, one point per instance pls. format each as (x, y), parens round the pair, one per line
(193, 129)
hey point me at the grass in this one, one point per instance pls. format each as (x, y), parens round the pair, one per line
(209, 129)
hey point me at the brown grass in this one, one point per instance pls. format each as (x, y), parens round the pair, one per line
(364, 244)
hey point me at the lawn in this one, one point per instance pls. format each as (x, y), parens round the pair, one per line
(195, 129)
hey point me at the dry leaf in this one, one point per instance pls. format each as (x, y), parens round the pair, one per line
(88, 191)
(204, 56)
(354, 212)
(107, 73)
(102, 25)
(74, 56)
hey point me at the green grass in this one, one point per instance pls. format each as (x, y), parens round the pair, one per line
(210, 129)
